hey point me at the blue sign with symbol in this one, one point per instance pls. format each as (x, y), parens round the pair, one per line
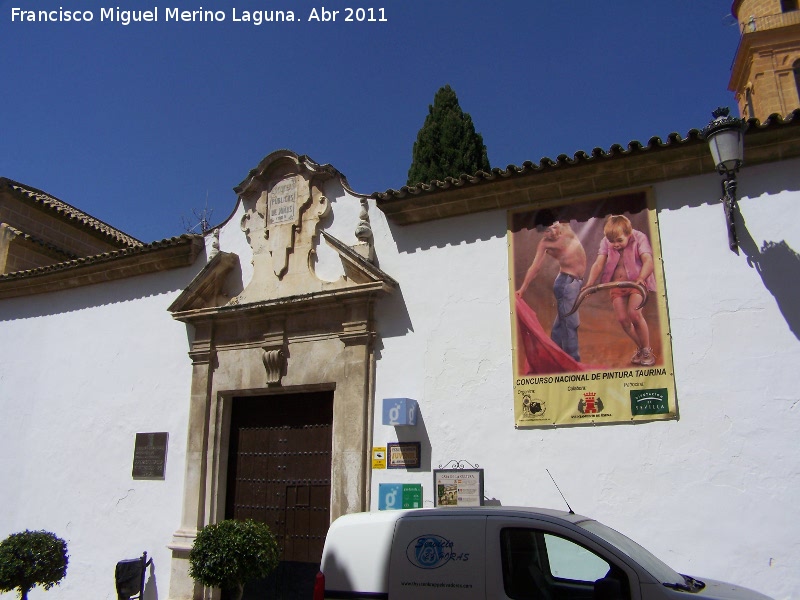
(390, 496)
(399, 411)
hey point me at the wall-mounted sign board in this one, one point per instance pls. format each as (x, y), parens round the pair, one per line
(150, 455)
(403, 455)
(399, 411)
(458, 487)
(378, 457)
(399, 495)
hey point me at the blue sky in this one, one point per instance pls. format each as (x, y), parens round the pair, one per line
(139, 124)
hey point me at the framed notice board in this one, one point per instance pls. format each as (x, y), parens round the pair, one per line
(458, 487)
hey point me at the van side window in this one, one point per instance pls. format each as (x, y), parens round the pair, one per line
(543, 566)
(523, 576)
(570, 561)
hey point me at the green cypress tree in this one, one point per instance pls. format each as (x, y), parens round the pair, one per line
(447, 145)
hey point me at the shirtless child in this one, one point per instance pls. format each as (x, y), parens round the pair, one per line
(625, 255)
(560, 243)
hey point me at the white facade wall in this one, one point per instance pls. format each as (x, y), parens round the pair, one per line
(712, 493)
(81, 372)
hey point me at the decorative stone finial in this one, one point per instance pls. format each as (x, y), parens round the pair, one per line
(365, 246)
(364, 228)
(214, 244)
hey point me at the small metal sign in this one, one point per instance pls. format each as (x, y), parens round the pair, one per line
(403, 455)
(458, 487)
(150, 455)
(393, 496)
(379, 457)
(400, 411)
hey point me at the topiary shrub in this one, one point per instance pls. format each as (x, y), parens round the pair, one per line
(230, 553)
(32, 558)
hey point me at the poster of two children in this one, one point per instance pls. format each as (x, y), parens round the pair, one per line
(589, 314)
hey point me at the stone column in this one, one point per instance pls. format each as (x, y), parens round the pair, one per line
(351, 414)
(183, 587)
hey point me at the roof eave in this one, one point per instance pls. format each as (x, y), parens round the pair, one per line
(159, 256)
(44, 201)
(583, 175)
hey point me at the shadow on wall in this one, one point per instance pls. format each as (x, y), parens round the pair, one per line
(779, 268)
(392, 318)
(165, 283)
(151, 588)
(418, 433)
(466, 229)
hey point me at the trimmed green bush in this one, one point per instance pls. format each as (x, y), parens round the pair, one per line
(32, 558)
(230, 553)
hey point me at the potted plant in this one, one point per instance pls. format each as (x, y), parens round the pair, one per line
(32, 558)
(230, 553)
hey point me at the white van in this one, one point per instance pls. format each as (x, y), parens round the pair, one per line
(494, 553)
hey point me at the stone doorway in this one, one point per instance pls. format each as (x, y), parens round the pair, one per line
(277, 340)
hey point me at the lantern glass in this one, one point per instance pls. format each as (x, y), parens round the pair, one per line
(727, 148)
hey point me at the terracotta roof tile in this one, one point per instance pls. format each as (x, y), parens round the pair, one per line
(68, 212)
(140, 250)
(42, 244)
(545, 165)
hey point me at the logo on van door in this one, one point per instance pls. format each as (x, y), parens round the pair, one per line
(429, 551)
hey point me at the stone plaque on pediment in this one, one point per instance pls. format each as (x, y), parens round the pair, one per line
(282, 202)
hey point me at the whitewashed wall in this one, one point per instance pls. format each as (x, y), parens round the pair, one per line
(711, 494)
(81, 372)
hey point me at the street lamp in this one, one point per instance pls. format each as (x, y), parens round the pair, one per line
(725, 137)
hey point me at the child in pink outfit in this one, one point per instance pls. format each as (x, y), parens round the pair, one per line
(625, 254)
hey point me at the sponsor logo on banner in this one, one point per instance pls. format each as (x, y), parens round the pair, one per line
(650, 402)
(590, 404)
(533, 408)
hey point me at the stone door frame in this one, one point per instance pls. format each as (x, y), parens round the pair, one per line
(317, 342)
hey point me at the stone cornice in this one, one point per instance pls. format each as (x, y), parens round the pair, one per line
(314, 301)
(159, 256)
(785, 37)
(207, 283)
(20, 237)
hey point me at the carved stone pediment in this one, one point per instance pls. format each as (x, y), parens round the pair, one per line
(209, 287)
(284, 214)
(285, 205)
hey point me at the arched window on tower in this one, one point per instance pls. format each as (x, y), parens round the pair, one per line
(789, 5)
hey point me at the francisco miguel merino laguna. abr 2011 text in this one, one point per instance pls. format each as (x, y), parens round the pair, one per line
(153, 15)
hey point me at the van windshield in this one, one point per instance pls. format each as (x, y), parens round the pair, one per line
(648, 561)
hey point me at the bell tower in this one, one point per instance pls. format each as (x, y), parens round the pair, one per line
(765, 76)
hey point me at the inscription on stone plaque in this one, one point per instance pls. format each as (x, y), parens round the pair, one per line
(150, 455)
(282, 202)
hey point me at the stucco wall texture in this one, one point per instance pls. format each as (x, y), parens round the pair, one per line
(712, 493)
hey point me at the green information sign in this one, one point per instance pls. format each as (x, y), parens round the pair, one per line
(399, 495)
(412, 495)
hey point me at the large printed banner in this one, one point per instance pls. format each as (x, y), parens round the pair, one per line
(589, 314)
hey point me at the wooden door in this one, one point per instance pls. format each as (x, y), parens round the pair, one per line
(279, 473)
